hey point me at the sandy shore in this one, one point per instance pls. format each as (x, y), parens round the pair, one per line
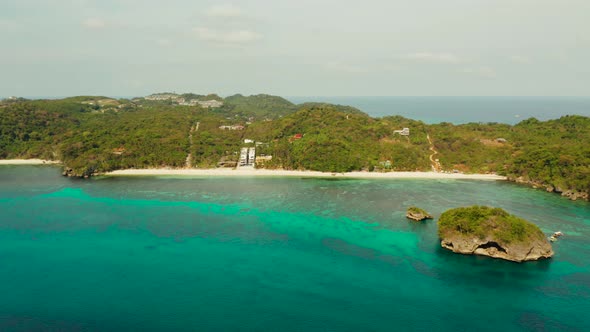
(224, 172)
(27, 162)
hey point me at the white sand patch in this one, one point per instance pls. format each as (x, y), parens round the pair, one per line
(224, 172)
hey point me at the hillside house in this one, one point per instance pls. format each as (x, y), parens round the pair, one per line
(210, 103)
(403, 132)
(234, 127)
(162, 96)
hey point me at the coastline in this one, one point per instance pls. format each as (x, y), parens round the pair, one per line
(288, 173)
(27, 162)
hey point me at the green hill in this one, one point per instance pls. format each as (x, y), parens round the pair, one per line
(258, 106)
(96, 134)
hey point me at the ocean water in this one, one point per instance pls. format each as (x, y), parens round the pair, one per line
(459, 110)
(274, 254)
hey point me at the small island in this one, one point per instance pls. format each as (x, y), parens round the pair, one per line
(492, 232)
(417, 214)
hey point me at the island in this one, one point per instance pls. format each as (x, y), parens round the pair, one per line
(417, 214)
(493, 232)
(94, 135)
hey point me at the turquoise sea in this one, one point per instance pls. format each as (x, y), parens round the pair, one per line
(274, 254)
(459, 110)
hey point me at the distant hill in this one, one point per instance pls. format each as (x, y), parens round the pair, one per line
(339, 108)
(258, 106)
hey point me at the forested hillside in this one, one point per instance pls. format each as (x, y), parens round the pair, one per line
(258, 106)
(98, 134)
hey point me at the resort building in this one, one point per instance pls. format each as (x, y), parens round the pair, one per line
(247, 157)
(162, 96)
(210, 103)
(251, 156)
(184, 102)
(403, 132)
(235, 127)
(243, 157)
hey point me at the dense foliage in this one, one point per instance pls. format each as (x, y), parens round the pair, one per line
(257, 106)
(486, 222)
(418, 211)
(88, 140)
(554, 154)
(96, 134)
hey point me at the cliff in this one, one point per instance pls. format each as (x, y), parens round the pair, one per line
(492, 232)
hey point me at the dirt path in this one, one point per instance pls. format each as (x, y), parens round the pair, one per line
(434, 162)
(189, 158)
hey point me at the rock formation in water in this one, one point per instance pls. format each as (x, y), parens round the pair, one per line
(417, 214)
(492, 232)
(569, 193)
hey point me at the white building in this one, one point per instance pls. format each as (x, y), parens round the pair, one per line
(236, 127)
(243, 156)
(162, 96)
(403, 132)
(210, 103)
(251, 156)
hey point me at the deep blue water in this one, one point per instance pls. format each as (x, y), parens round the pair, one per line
(458, 110)
(274, 254)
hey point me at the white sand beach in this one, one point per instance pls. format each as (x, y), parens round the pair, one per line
(224, 172)
(27, 162)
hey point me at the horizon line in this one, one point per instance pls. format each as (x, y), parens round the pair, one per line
(305, 96)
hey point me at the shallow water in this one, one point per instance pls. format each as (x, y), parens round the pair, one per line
(284, 254)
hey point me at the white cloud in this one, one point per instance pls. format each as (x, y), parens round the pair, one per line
(163, 42)
(520, 59)
(428, 57)
(481, 71)
(392, 68)
(6, 24)
(94, 23)
(224, 11)
(345, 68)
(242, 36)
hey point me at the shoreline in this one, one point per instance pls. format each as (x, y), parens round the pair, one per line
(28, 162)
(214, 172)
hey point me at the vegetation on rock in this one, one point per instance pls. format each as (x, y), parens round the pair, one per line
(418, 214)
(493, 232)
(485, 222)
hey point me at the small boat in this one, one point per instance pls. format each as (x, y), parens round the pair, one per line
(555, 236)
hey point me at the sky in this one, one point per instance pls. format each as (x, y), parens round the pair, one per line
(295, 48)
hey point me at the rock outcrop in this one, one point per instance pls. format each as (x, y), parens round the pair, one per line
(85, 173)
(492, 232)
(417, 214)
(520, 252)
(569, 193)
